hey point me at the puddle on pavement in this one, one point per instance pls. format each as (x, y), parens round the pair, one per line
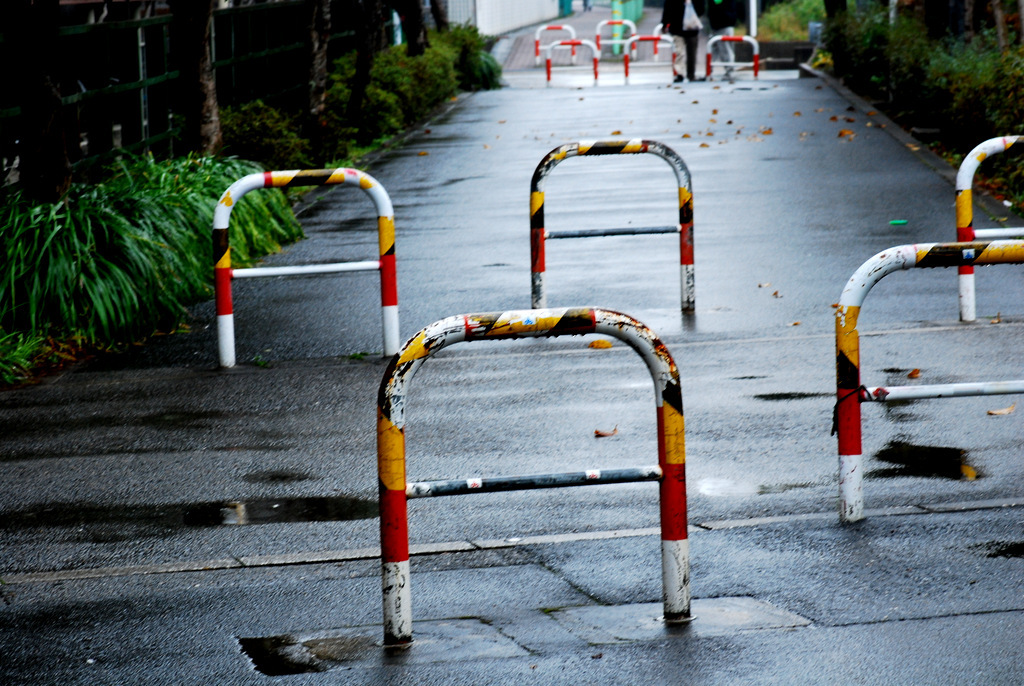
(748, 378)
(285, 655)
(111, 524)
(729, 488)
(276, 476)
(923, 460)
(1005, 549)
(790, 396)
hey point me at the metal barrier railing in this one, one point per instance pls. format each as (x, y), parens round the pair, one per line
(391, 468)
(223, 273)
(849, 391)
(965, 230)
(539, 234)
(613, 41)
(635, 40)
(552, 27)
(573, 44)
(756, 63)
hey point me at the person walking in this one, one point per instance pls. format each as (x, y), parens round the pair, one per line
(722, 16)
(681, 18)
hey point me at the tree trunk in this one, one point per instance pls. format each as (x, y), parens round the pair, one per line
(1000, 20)
(44, 167)
(411, 14)
(319, 13)
(370, 26)
(439, 12)
(968, 20)
(1020, 19)
(197, 87)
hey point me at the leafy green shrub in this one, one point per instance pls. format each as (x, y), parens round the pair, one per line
(476, 68)
(788, 21)
(114, 262)
(17, 351)
(858, 42)
(255, 131)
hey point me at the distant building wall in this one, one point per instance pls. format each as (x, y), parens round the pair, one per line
(494, 17)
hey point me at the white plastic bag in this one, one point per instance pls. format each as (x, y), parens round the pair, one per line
(691, 22)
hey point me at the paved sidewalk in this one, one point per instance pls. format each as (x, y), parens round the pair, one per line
(164, 521)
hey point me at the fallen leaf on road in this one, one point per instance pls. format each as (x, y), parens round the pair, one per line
(1005, 410)
(872, 113)
(766, 284)
(798, 114)
(998, 319)
(423, 152)
(776, 295)
(820, 109)
(606, 434)
(704, 145)
(849, 119)
(795, 324)
(502, 121)
(914, 373)
(713, 121)
(833, 118)
(486, 147)
(686, 135)
(766, 132)
(600, 343)
(913, 148)
(846, 133)
(968, 472)
(714, 111)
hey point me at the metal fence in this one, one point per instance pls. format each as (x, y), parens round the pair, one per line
(120, 75)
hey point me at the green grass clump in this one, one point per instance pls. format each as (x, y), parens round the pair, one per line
(115, 262)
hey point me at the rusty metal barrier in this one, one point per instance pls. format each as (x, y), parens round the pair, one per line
(552, 27)
(395, 491)
(756, 63)
(849, 391)
(965, 230)
(539, 234)
(223, 273)
(632, 43)
(573, 44)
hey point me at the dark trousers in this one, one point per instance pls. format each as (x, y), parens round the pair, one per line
(685, 47)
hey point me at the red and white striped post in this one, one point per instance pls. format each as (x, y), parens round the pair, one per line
(223, 273)
(552, 27)
(539, 233)
(850, 393)
(735, 39)
(391, 463)
(571, 43)
(613, 40)
(965, 230)
(635, 40)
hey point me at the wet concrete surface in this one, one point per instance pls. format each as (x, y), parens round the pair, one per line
(101, 466)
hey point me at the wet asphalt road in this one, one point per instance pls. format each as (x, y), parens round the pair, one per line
(125, 464)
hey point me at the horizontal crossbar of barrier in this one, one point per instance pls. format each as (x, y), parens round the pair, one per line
(590, 233)
(999, 233)
(296, 270)
(591, 477)
(947, 390)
